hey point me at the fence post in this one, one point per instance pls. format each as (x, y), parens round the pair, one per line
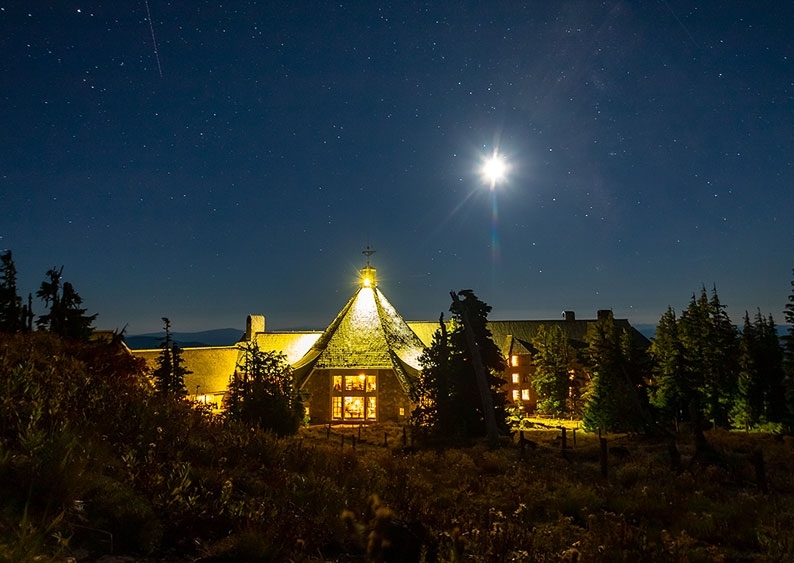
(564, 438)
(405, 437)
(385, 439)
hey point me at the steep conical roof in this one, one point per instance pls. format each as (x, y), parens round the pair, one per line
(368, 333)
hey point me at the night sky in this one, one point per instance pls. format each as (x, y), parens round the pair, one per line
(241, 161)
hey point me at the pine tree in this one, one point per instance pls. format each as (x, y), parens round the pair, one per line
(670, 392)
(722, 363)
(65, 317)
(554, 361)
(749, 401)
(788, 362)
(12, 313)
(76, 324)
(434, 414)
(450, 404)
(169, 377)
(477, 360)
(711, 356)
(262, 392)
(771, 370)
(760, 397)
(616, 399)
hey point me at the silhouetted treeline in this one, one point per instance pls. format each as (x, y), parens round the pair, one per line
(64, 314)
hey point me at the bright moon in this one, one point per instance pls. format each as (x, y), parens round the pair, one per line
(494, 170)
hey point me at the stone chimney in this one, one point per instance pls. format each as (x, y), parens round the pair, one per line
(568, 316)
(603, 314)
(254, 324)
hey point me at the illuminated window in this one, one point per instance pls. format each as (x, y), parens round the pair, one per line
(516, 379)
(525, 394)
(514, 361)
(354, 407)
(515, 394)
(354, 397)
(402, 411)
(355, 382)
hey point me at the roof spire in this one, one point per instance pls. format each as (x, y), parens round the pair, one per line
(368, 278)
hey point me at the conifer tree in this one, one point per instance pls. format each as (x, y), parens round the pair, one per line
(771, 370)
(450, 403)
(760, 396)
(477, 360)
(434, 414)
(262, 392)
(722, 361)
(748, 403)
(554, 361)
(711, 355)
(788, 362)
(65, 317)
(615, 400)
(671, 391)
(12, 313)
(169, 377)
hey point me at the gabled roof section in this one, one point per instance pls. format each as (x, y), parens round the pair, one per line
(368, 333)
(576, 331)
(294, 345)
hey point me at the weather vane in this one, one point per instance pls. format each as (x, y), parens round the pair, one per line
(369, 251)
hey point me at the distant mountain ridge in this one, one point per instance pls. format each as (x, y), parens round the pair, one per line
(217, 337)
(647, 330)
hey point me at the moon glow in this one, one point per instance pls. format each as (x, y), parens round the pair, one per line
(494, 170)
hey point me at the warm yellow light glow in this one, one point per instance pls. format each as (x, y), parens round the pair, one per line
(368, 276)
(494, 170)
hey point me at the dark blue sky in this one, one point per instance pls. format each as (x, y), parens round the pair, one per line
(651, 150)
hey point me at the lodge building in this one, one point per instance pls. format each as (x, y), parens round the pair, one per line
(361, 367)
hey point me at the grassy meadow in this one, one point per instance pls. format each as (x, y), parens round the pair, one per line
(93, 464)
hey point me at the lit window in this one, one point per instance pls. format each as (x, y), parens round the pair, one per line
(525, 394)
(371, 410)
(337, 407)
(516, 379)
(354, 407)
(514, 361)
(355, 382)
(515, 394)
(371, 386)
(337, 383)
(402, 411)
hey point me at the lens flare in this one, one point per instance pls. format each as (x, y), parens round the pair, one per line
(494, 170)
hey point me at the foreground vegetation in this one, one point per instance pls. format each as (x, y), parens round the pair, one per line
(93, 461)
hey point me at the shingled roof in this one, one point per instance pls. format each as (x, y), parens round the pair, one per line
(515, 337)
(367, 333)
